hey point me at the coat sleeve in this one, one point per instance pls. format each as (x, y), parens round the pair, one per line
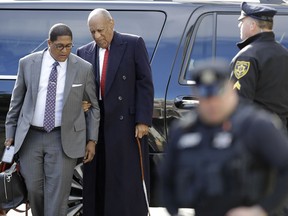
(245, 74)
(17, 98)
(93, 115)
(272, 145)
(144, 85)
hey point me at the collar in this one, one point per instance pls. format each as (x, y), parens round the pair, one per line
(264, 36)
(51, 60)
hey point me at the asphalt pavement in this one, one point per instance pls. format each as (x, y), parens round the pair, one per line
(153, 211)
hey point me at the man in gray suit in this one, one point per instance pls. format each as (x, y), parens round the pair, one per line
(52, 83)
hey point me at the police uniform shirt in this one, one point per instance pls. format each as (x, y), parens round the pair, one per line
(259, 72)
(263, 140)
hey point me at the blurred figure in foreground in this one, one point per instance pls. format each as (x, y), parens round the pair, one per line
(226, 157)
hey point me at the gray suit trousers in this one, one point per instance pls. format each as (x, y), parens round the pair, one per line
(47, 172)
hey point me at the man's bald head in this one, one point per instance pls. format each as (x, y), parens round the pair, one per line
(99, 12)
(101, 26)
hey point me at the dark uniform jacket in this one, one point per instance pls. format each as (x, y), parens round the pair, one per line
(260, 72)
(216, 168)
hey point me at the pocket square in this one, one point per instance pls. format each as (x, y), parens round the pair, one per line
(76, 85)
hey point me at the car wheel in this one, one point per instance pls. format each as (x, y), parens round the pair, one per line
(75, 203)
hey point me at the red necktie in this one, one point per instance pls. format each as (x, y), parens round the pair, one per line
(103, 76)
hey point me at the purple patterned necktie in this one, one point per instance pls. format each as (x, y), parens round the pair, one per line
(49, 116)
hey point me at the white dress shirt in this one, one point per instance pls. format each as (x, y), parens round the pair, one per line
(47, 62)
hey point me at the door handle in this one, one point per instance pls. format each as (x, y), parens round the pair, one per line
(186, 102)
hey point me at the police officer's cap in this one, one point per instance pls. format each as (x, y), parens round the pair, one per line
(211, 77)
(259, 12)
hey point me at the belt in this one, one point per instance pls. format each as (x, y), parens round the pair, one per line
(42, 128)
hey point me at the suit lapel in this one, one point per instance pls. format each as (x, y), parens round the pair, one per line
(96, 69)
(90, 56)
(117, 49)
(35, 76)
(70, 76)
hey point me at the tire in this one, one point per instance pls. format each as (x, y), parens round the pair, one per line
(75, 203)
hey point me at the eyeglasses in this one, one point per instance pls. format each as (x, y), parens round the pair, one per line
(60, 47)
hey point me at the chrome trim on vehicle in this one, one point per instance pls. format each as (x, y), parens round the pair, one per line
(8, 77)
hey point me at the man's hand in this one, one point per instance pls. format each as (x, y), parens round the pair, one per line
(9, 142)
(141, 130)
(90, 151)
(247, 211)
(86, 105)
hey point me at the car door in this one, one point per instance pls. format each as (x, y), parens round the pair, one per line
(24, 31)
(212, 32)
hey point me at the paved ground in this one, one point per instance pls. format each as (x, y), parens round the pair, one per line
(153, 211)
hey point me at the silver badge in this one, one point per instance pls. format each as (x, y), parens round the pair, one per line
(222, 140)
(189, 140)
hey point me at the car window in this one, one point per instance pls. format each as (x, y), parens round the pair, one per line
(22, 33)
(26, 31)
(201, 45)
(217, 35)
(227, 36)
(281, 29)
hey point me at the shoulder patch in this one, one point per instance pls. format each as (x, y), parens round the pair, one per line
(241, 69)
(237, 85)
(189, 140)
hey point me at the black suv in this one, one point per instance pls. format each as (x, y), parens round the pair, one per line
(177, 36)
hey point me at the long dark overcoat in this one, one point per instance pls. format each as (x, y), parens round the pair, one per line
(128, 100)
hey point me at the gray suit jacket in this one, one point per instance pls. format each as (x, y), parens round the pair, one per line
(74, 133)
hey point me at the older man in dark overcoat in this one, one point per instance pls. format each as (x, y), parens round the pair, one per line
(112, 182)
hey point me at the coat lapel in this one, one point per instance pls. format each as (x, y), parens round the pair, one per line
(90, 56)
(70, 76)
(35, 75)
(117, 50)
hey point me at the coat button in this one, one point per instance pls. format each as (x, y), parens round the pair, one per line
(124, 77)
(120, 98)
(121, 117)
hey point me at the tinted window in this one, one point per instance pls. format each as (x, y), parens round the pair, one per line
(281, 29)
(23, 32)
(216, 35)
(202, 42)
(227, 36)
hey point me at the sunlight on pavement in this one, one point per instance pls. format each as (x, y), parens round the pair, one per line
(163, 212)
(153, 211)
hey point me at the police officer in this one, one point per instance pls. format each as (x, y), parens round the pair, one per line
(226, 157)
(260, 68)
